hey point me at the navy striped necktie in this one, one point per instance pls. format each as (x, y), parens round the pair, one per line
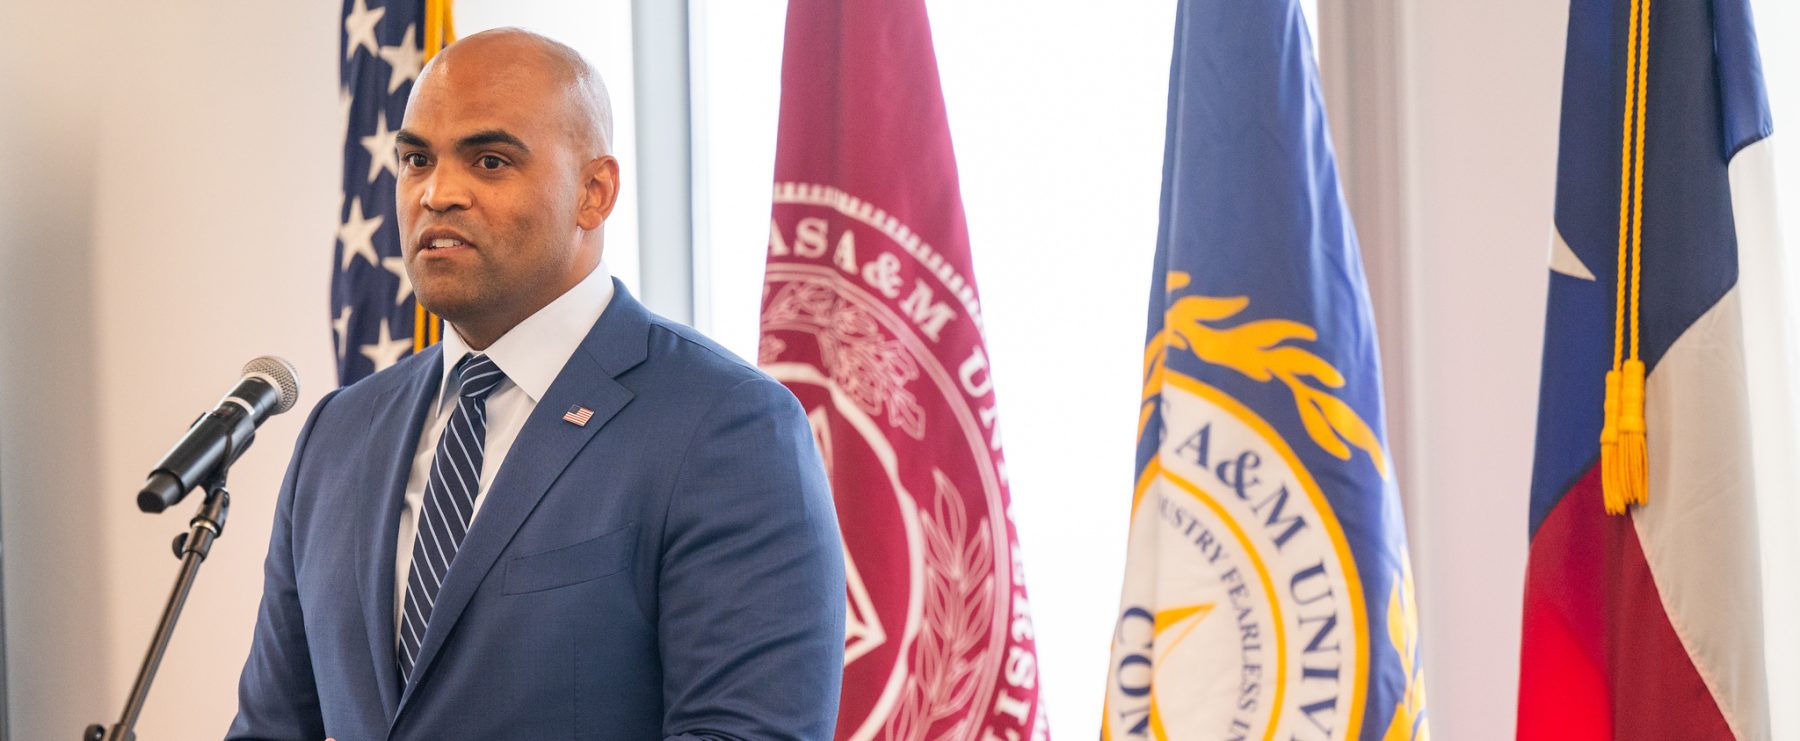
(449, 503)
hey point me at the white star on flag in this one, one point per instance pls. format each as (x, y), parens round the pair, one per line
(345, 100)
(405, 59)
(386, 351)
(358, 235)
(1564, 260)
(397, 266)
(381, 146)
(359, 29)
(340, 330)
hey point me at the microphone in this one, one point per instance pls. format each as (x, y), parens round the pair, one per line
(267, 388)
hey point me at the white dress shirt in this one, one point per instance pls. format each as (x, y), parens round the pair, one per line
(531, 355)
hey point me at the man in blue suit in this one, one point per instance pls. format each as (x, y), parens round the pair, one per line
(571, 519)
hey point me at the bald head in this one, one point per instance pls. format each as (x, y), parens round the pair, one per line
(505, 180)
(512, 56)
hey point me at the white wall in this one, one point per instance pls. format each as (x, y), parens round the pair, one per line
(166, 214)
(1479, 96)
(1779, 510)
(57, 625)
(172, 202)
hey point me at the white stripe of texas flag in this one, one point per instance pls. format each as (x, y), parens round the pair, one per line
(1700, 530)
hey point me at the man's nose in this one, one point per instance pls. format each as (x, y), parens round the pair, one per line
(444, 190)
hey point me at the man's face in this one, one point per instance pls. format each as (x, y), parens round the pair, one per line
(494, 197)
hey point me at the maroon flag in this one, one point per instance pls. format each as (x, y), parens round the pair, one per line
(870, 316)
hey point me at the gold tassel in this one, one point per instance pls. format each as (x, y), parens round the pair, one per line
(1610, 471)
(1634, 461)
(1624, 456)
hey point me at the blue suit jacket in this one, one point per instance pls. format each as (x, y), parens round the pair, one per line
(670, 570)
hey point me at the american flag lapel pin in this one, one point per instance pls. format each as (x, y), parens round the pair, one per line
(578, 415)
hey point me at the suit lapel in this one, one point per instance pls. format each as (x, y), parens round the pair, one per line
(546, 445)
(396, 419)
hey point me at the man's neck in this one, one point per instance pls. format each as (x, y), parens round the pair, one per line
(472, 343)
(479, 335)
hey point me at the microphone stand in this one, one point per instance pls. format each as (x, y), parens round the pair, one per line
(191, 547)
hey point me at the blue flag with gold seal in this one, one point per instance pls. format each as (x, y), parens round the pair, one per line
(1267, 590)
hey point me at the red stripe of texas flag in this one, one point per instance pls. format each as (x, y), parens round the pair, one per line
(1581, 678)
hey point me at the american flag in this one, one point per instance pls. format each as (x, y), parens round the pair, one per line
(579, 415)
(375, 319)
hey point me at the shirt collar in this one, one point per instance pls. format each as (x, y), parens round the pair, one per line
(532, 353)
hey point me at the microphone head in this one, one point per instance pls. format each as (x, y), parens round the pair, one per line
(282, 373)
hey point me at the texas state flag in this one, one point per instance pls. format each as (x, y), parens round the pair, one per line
(1647, 624)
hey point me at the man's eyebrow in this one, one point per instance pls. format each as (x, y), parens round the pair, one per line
(409, 139)
(489, 138)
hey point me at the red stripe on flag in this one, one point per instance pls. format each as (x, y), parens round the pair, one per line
(1600, 659)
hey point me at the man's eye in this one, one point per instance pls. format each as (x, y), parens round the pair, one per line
(490, 162)
(414, 159)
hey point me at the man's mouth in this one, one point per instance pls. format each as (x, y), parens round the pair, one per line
(442, 241)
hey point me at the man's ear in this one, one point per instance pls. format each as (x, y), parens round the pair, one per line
(599, 192)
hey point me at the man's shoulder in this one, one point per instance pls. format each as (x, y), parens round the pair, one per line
(689, 384)
(680, 353)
